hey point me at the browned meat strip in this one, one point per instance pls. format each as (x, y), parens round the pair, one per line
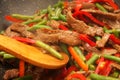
(88, 48)
(109, 51)
(116, 65)
(102, 42)
(11, 74)
(17, 29)
(112, 19)
(82, 27)
(117, 47)
(55, 36)
(54, 24)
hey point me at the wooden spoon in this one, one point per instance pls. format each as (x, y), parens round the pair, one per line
(31, 54)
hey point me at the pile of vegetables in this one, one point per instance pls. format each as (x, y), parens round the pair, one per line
(82, 65)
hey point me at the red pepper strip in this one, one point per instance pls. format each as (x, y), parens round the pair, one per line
(26, 40)
(100, 63)
(66, 3)
(78, 5)
(106, 69)
(76, 75)
(88, 56)
(114, 39)
(82, 18)
(89, 15)
(63, 27)
(10, 18)
(85, 38)
(117, 54)
(66, 72)
(110, 2)
(21, 68)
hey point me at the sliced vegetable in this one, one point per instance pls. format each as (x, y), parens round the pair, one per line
(80, 62)
(115, 39)
(100, 77)
(48, 48)
(21, 68)
(85, 38)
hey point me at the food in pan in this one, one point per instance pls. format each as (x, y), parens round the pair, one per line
(88, 31)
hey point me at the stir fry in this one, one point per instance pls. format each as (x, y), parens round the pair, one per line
(88, 31)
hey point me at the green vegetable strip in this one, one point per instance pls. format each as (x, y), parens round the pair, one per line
(79, 52)
(31, 21)
(44, 11)
(101, 7)
(44, 21)
(97, 38)
(8, 56)
(64, 47)
(57, 12)
(2, 53)
(37, 26)
(100, 77)
(115, 74)
(50, 49)
(28, 77)
(110, 57)
(62, 17)
(92, 59)
(22, 17)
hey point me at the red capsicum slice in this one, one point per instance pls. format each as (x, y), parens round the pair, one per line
(10, 18)
(104, 67)
(85, 38)
(62, 27)
(88, 56)
(25, 40)
(114, 39)
(89, 15)
(110, 2)
(76, 75)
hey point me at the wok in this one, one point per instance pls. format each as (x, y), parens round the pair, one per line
(27, 7)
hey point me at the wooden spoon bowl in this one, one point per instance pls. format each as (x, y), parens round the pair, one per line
(31, 54)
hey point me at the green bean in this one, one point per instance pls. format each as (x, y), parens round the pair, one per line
(62, 17)
(97, 38)
(110, 57)
(64, 48)
(92, 67)
(92, 59)
(59, 4)
(101, 7)
(50, 49)
(54, 18)
(100, 77)
(115, 74)
(44, 11)
(57, 12)
(2, 53)
(22, 17)
(37, 26)
(8, 56)
(28, 77)
(79, 52)
(44, 21)
(31, 21)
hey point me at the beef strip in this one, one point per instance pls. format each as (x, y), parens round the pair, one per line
(55, 36)
(103, 41)
(116, 65)
(54, 24)
(117, 47)
(82, 27)
(111, 19)
(109, 51)
(18, 29)
(11, 74)
(88, 48)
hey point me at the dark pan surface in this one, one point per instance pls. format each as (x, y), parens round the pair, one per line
(27, 7)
